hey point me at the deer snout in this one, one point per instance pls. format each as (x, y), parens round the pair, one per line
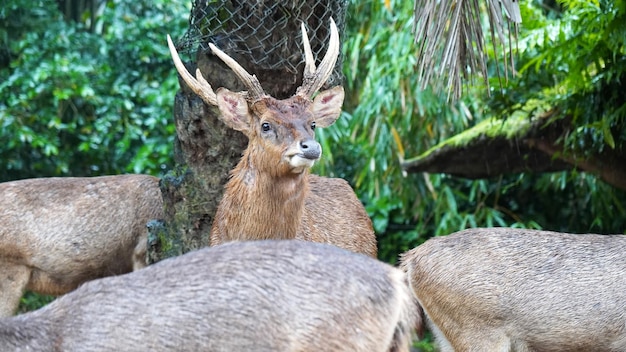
(311, 149)
(302, 155)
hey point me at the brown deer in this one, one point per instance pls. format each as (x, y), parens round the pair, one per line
(271, 194)
(244, 296)
(56, 233)
(503, 289)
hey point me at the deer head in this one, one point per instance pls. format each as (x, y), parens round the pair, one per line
(281, 132)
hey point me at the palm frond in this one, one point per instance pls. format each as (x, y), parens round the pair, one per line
(451, 42)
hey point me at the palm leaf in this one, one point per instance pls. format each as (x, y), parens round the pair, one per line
(451, 42)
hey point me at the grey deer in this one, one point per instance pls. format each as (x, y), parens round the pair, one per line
(245, 296)
(56, 233)
(501, 289)
(271, 194)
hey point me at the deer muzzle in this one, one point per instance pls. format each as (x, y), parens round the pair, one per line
(303, 155)
(311, 149)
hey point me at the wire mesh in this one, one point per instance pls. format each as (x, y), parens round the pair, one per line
(266, 33)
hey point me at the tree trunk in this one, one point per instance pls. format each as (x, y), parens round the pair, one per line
(205, 151)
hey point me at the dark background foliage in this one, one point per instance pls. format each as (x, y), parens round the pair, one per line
(86, 98)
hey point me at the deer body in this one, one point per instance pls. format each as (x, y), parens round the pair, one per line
(56, 233)
(506, 289)
(302, 211)
(270, 194)
(266, 199)
(245, 296)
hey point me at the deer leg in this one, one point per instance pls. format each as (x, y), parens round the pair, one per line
(443, 345)
(13, 281)
(139, 254)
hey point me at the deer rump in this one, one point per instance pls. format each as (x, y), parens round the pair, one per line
(241, 296)
(504, 289)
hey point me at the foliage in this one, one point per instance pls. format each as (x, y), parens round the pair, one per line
(572, 61)
(451, 39)
(75, 102)
(584, 50)
(32, 301)
(79, 99)
(388, 116)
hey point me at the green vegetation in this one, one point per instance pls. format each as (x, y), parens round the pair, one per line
(83, 98)
(388, 118)
(86, 98)
(574, 60)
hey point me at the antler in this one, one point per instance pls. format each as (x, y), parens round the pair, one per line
(255, 91)
(314, 78)
(198, 85)
(312, 81)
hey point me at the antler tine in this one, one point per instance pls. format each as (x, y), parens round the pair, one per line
(309, 61)
(199, 86)
(314, 78)
(255, 91)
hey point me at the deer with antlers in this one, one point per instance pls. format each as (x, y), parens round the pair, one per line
(271, 193)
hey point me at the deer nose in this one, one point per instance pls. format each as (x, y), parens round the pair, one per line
(311, 149)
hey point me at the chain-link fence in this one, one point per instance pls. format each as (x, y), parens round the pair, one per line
(266, 33)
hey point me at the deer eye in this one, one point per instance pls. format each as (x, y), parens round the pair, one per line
(313, 125)
(265, 127)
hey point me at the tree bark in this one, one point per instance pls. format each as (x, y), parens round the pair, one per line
(205, 151)
(539, 150)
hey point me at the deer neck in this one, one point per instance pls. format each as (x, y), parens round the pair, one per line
(271, 205)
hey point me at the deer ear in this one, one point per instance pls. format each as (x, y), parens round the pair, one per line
(234, 110)
(327, 106)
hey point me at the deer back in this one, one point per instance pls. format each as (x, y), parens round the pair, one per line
(246, 296)
(68, 230)
(522, 290)
(332, 214)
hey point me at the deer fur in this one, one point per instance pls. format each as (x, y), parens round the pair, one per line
(244, 296)
(501, 289)
(56, 233)
(271, 194)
